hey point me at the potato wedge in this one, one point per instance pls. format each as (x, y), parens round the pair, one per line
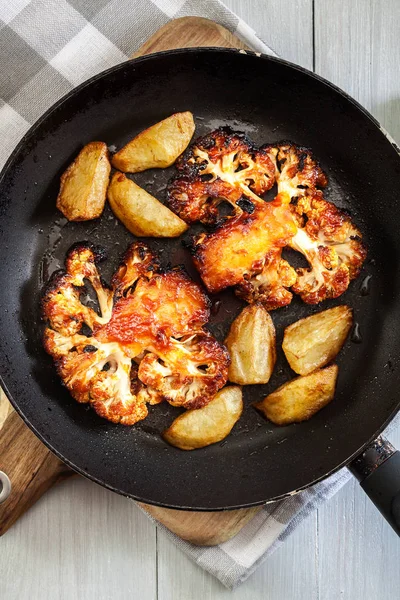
(140, 212)
(313, 342)
(251, 345)
(158, 146)
(84, 184)
(207, 425)
(302, 397)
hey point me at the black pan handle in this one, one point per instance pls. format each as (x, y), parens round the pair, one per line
(378, 471)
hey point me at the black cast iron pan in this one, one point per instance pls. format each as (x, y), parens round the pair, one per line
(270, 100)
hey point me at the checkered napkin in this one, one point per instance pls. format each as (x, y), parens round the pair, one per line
(47, 47)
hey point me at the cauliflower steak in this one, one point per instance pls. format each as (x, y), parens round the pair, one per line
(147, 342)
(244, 249)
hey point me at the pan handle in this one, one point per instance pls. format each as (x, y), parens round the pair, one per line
(378, 471)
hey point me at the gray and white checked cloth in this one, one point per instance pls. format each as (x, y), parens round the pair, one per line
(47, 47)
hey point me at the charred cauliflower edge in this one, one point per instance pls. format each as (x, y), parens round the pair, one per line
(166, 353)
(225, 166)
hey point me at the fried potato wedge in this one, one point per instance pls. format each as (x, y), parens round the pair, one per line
(207, 425)
(84, 184)
(302, 397)
(140, 212)
(251, 345)
(313, 342)
(158, 146)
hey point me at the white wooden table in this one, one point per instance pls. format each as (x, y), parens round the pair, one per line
(81, 542)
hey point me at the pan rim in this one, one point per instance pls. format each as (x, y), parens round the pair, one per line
(25, 139)
(207, 50)
(137, 498)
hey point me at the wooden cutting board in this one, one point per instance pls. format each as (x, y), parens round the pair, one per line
(31, 467)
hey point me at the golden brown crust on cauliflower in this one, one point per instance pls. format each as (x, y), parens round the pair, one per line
(223, 165)
(296, 168)
(245, 248)
(238, 249)
(271, 285)
(148, 318)
(186, 371)
(331, 245)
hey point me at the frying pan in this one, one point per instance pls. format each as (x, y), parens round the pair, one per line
(270, 100)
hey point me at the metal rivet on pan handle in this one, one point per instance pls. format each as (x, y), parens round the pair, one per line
(5, 487)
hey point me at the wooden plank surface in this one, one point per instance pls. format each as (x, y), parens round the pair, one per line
(80, 542)
(357, 47)
(287, 27)
(276, 579)
(343, 551)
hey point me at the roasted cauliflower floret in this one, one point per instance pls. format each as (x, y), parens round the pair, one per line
(231, 157)
(111, 394)
(148, 314)
(188, 372)
(325, 277)
(196, 200)
(321, 218)
(244, 250)
(331, 226)
(270, 286)
(352, 252)
(81, 363)
(221, 166)
(138, 261)
(81, 264)
(296, 169)
(61, 299)
(331, 245)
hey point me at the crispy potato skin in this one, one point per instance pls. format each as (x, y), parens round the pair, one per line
(252, 347)
(158, 146)
(208, 425)
(301, 398)
(141, 213)
(313, 342)
(83, 185)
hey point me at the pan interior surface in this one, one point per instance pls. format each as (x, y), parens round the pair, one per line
(270, 100)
